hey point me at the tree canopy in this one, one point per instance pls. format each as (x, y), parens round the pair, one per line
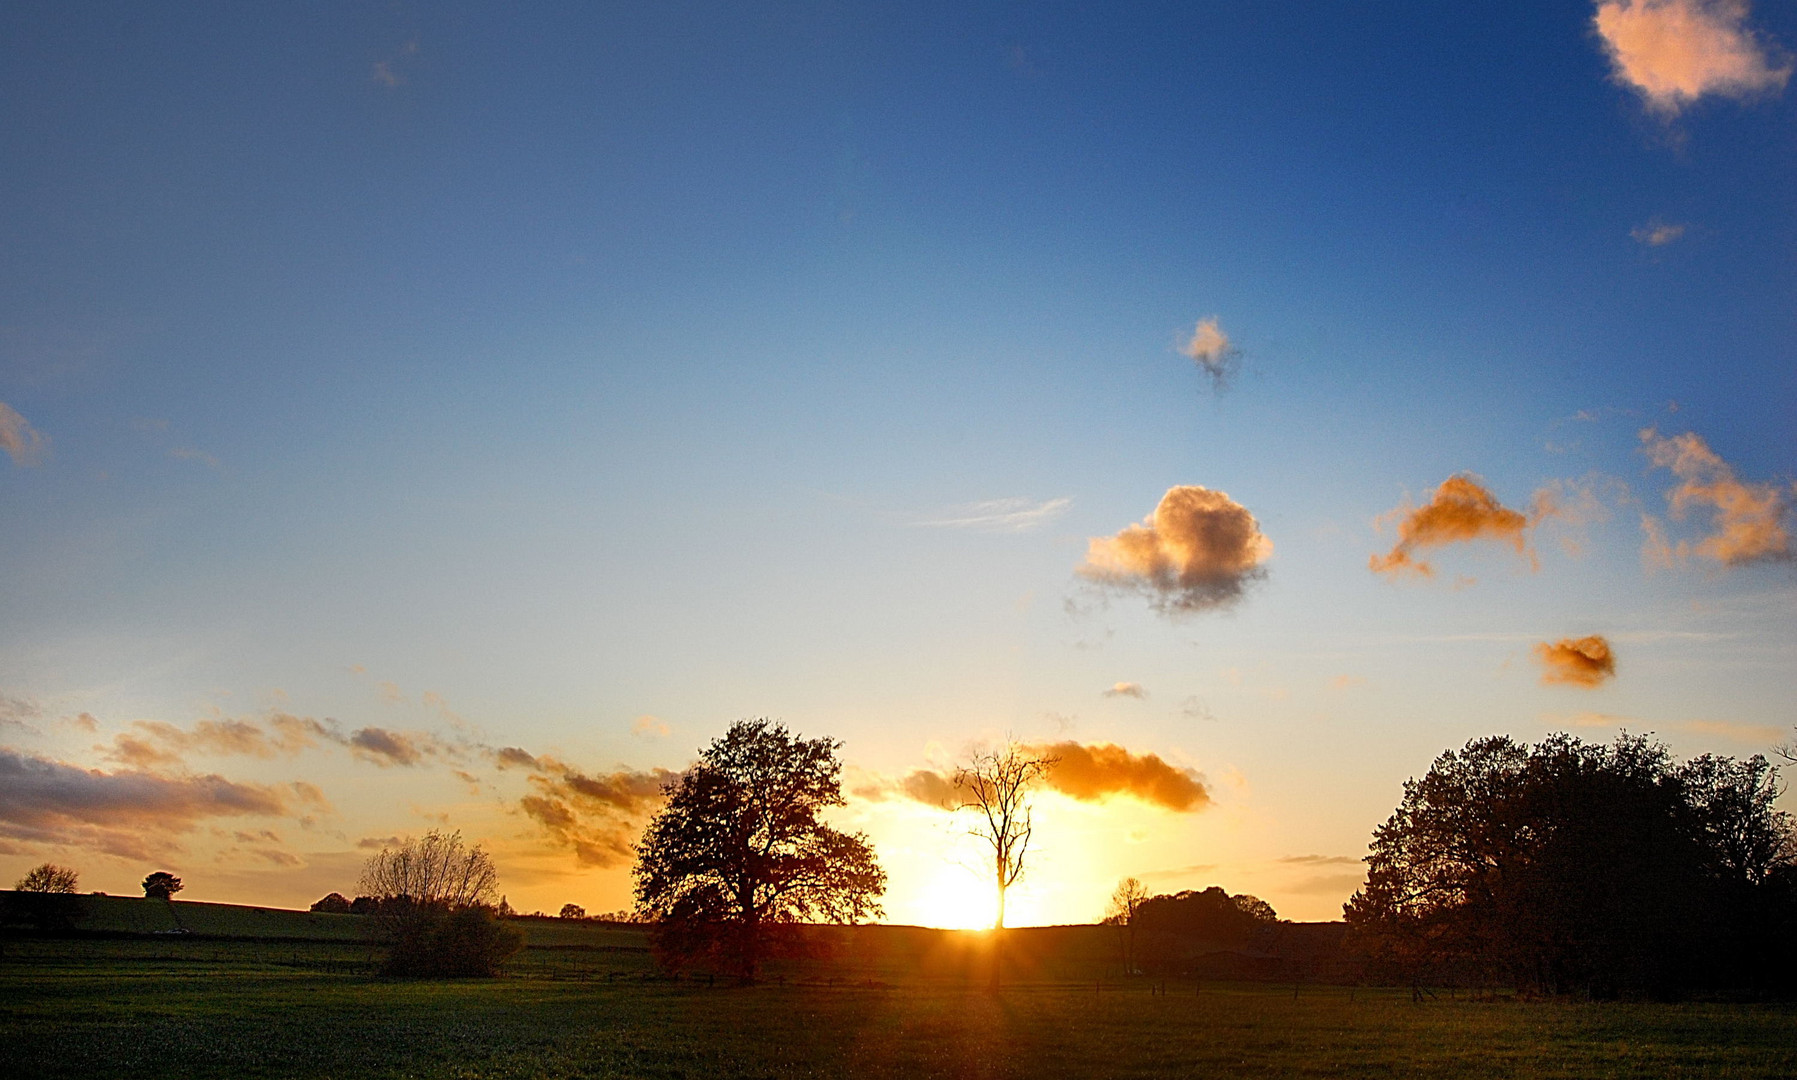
(162, 885)
(48, 878)
(431, 900)
(1571, 867)
(739, 847)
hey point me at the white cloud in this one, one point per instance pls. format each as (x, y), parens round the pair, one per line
(1001, 515)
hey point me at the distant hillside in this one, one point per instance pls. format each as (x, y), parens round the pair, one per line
(1052, 953)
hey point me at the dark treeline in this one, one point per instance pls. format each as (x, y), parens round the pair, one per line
(1572, 868)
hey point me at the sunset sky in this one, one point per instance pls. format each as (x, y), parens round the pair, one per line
(440, 415)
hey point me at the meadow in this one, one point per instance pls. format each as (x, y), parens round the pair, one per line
(266, 993)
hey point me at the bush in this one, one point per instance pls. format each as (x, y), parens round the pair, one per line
(334, 904)
(435, 942)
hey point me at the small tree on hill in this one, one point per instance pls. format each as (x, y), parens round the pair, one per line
(48, 878)
(573, 911)
(739, 850)
(162, 885)
(334, 904)
(433, 907)
(45, 898)
(1125, 901)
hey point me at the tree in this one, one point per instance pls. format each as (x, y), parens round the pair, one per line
(739, 853)
(1125, 900)
(334, 904)
(433, 907)
(1568, 867)
(48, 878)
(161, 885)
(573, 911)
(995, 786)
(45, 897)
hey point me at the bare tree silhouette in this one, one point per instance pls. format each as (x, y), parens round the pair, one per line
(995, 786)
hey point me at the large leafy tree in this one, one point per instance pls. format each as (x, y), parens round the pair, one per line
(740, 849)
(1570, 867)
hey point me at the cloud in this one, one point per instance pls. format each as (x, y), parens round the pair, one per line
(510, 757)
(384, 748)
(376, 843)
(1016, 514)
(649, 727)
(151, 743)
(1461, 510)
(597, 817)
(1210, 349)
(1586, 662)
(1656, 233)
(1199, 550)
(1346, 682)
(188, 453)
(129, 813)
(1321, 860)
(24, 443)
(1673, 52)
(1747, 520)
(1745, 733)
(1126, 689)
(1100, 770)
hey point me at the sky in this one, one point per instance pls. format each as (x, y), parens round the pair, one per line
(455, 416)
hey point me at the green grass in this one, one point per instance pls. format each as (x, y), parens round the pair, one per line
(584, 1001)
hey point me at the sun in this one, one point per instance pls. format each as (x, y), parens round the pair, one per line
(955, 900)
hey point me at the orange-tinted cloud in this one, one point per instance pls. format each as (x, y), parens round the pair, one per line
(1126, 689)
(1461, 510)
(130, 813)
(1081, 771)
(1747, 520)
(151, 743)
(1090, 772)
(1673, 52)
(597, 817)
(1210, 349)
(22, 442)
(1199, 550)
(1586, 662)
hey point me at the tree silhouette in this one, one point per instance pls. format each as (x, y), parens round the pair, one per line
(334, 904)
(1567, 867)
(739, 853)
(573, 911)
(995, 787)
(433, 907)
(1126, 900)
(48, 878)
(161, 885)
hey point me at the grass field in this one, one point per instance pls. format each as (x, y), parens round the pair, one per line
(583, 1001)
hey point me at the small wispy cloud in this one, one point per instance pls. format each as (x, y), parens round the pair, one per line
(1000, 515)
(188, 453)
(1209, 347)
(649, 727)
(22, 442)
(1747, 520)
(1656, 233)
(1126, 689)
(1674, 52)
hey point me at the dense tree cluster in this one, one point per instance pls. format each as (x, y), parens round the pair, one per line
(1567, 867)
(1170, 933)
(739, 854)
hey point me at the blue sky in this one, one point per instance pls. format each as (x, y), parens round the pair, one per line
(583, 364)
